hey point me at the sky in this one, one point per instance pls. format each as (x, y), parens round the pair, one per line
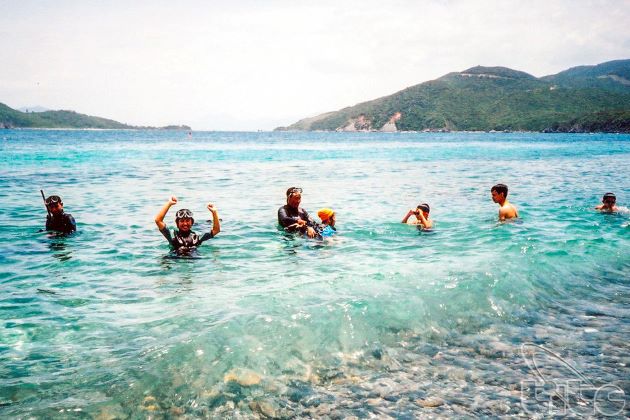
(253, 64)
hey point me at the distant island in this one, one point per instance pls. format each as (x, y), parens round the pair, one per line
(580, 99)
(12, 118)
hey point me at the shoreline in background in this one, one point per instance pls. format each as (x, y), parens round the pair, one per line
(315, 131)
(455, 131)
(97, 129)
(61, 119)
(580, 99)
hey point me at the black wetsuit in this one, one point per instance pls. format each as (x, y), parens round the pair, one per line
(62, 222)
(181, 242)
(288, 216)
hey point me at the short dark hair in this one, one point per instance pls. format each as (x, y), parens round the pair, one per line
(609, 195)
(424, 207)
(500, 189)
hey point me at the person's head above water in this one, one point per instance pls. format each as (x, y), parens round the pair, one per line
(499, 192)
(327, 216)
(184, 220)
(294, 196)
(420, 216)
(54, 204)
(608, 203)
(424, 207)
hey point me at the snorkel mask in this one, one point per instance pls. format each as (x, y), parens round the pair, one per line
(184, 214)
(53, 200)
(294, 190)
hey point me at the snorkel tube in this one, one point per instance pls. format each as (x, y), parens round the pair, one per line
(46, 205)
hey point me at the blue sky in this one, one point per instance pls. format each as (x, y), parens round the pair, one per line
(246, 65)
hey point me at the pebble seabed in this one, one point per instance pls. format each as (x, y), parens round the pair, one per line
(479, 377)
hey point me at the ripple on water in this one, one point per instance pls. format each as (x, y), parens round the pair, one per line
(383, 321)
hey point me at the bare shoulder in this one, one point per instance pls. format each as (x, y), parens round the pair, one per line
(508, 211)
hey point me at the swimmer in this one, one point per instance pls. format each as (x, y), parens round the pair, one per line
(328, 218)
(184, 239)
(421, 215)
(57, 220)
(294, 218)
(499, 195)
(608, 203)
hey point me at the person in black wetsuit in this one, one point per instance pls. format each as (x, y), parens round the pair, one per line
(294, 218)
(57, 220)
(183, 239)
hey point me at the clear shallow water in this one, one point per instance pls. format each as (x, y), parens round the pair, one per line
(385, 321)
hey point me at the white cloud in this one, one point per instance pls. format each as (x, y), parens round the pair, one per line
(249, 65)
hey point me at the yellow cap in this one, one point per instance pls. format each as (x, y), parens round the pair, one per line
(325, 214)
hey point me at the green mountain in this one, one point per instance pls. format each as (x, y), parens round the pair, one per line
(613, 75)
(11, 118)
(581, 99)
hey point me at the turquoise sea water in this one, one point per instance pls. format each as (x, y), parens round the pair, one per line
(384, 321)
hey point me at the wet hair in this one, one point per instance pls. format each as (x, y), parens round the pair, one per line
(500, 189)
(609, 195)
(424, 207)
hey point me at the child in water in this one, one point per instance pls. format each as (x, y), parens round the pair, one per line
(57, 220)
(421, 215)
(184, 239)
(328, 222)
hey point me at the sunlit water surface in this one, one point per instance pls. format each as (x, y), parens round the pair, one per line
(384, 321)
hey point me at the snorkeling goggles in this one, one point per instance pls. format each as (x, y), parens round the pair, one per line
(184, 214)
(294, 190)
(53, 200)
